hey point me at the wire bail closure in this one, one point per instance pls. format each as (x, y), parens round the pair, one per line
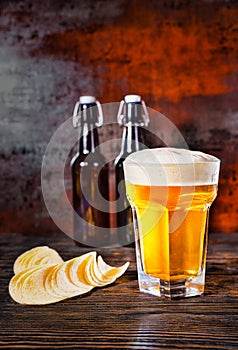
(77, 113)
(121, 115)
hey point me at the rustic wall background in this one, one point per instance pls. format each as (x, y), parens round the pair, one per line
(181, 56)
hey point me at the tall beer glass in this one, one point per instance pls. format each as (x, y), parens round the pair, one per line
(170, 191)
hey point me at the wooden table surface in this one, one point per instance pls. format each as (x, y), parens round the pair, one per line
(119, 316)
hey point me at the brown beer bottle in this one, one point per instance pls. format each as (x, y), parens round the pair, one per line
(133, 116)
(90, 178)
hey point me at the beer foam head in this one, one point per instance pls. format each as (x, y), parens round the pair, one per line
(171, 166)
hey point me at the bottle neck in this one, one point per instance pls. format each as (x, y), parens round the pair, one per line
(133, 113)
(133, 139)
(88, 141)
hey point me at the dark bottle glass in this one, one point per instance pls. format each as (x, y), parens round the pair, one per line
(90, 178)
(133, 116)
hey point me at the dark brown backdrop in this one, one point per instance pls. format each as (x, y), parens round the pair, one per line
(181, 56)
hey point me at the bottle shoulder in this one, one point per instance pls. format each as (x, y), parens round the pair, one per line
(78, 157)
(95, 157)
(120, 158)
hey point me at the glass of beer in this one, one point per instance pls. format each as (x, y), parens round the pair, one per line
(170, 191)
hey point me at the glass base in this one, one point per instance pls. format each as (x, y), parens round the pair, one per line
(193, 286)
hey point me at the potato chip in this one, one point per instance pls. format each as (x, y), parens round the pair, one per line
(42, 277)
(110, 273)
(36, 256)
(64, 283)
(16, 284)
(22, 276)
(88, 271)
(77, 269)
(45, 256)
(96, 276)
(34, 289)
(52, 287)
(99, 274)
(48, 282)
(55, 290)
(21, 262)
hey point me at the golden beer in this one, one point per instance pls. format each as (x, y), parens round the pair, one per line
(170, 191)
(172, 253)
